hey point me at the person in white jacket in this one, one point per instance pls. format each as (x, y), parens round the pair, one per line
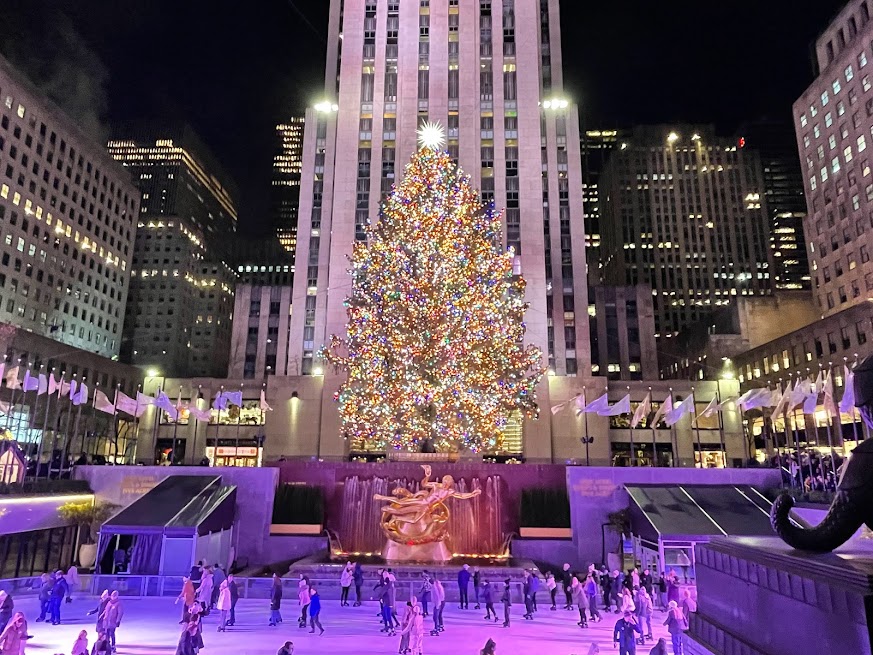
(439, 604)
(204, 593)
(346, 583)
(73, 582)
(223, 605)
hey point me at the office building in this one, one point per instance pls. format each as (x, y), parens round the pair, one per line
(684, 212)
(260, 345)
(262, 261)
(595, 148)
(833, 120)
(622, 324)
(786, 205)
(287, 167)
(181, 301)
(68, 215)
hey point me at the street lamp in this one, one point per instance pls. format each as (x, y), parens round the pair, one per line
(326, 107)
(587, 441)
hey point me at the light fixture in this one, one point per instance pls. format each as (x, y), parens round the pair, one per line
(326, 107)
(294, 395)
(672, 137)
(695, 137)
(318, 371)
(153, 372)
(555, 103)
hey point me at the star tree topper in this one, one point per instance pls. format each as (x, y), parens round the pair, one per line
(431, 135)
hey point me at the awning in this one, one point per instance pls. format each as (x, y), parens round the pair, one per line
(697, 512)
(181, 505)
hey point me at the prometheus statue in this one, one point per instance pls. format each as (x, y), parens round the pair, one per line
(416, 524)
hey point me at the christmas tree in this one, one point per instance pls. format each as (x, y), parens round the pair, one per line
(434, 352)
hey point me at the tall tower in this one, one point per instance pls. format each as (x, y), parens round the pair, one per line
(287, 164)
(490, 71)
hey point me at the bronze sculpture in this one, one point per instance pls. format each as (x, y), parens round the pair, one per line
(853, 505)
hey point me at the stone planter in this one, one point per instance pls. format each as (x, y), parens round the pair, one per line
(87, 555)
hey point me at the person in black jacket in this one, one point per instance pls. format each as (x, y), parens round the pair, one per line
(488, 599)
(506, 599)
(567, 581)
(45, 595)
(276, 601)
(477, 581)
(234, 597)
(6, 606)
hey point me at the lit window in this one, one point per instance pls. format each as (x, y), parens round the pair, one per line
(849, 73)
(20, 111)
(806, 141)
(862, 60)
(862, 143)
(816, 132)
(824, 174)
(832, 141)
(865, 82)
(836, 87)
(825, 99)
(829, 119)
(813, 183)
(803, 120)
(813, 111)
(847, 154)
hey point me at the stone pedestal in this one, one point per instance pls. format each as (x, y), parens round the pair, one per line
(758, 596)
(436, 551)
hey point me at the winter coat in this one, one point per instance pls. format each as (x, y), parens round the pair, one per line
(477, 578)
(566, 578)
(187, 594)
(439, 592)
(73, 577)
(425, 588)
(389, 592)
(416, 632)
(463, 578)
(676, 622)
(60, 588)
(45, 591)
(276, 597)
(644, 606)
(358, 575)
(486, 593)
(80, 647)
(659, 649)
(112, 614)
(10, 640)
(525, 587)
(346, 577)
(689, 606)
(550, 583)
(590, 587)
(623, 634)
(196, 573)
(7, 605)
(101, 608)
(204, 593)
(534, 584)
(627, 604)
(234, 592)
(303, 593)
(224, 600)
(579, 596)
(646, 582)
(506, 597)
(314, 605)
(218, 576)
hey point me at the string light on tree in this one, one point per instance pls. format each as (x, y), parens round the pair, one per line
(434, 350)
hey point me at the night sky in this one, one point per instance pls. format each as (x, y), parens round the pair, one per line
(234, 69)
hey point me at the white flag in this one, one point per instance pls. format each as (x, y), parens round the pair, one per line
(597, 406)
(143, 400)
(818, 385)
(12, 378)
(203, 415)
(220, 401)
(810, 403)
(847, 402)
(580, 402)
(557, 408)
(709, 410)
(665, 408)
(164, 403)
(684, 407)
(128, 405)
(801, 389)
(621, 407)
(43, 385)
(263, 404)
(31, 383)
(64, 388)
(642, 410)
(782, 402)
(234, 397)
(81, 397)
(102, 402)
(830, 404)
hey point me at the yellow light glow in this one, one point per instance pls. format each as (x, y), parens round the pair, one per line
(29, 500)
(672, 137)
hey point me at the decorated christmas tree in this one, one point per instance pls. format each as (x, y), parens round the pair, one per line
(434, 352)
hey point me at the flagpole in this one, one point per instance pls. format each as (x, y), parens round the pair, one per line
(794, 432)
(175, 431)
(238, 424)
(654, 436)
(48, 404)
(157, 418)
(79, 415)
(36, 408)
(674, 442)
(865, 431)
(12, 399)
(631, 432)
(785, 431)
(718, 412)
(196, 423)
(828, 429)
(135, 424)
(218, 420)
(67, 429)
(263, 427)
(845, 388)
(56, 423)
(698, 462)
(585, 421)
(17, 415)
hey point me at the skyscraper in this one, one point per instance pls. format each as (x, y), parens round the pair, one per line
(834, 124)
(684, 211)
(287, 166)
(181, 300)
(595, 147)
(783, 189)
(490, 72)
(68, 214)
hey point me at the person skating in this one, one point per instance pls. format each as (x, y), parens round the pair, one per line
(218, 576)
(477, 581)
(234, 597)
(73, 582)
(566, 581)
(59, 590)
(276, 601)
(645, 609)
(552, 588)
(204, 593)
(605, 587)
(186, 639)
(6, 606)
(303, 600)
(315, 610)
(688, 604)
(590, 587)
(647, 583)
(490, 648)
(488, 599)
(627, 601)
(407, 617)
(286, 649)
(45, 595)
(103, 647)
(439, 604)
(196, 574)
(425, 592)
(387, 600)
(464, 586)
(534, 588)
(358, 579)
(197, 623)
(187, 596)
(660, 648)
(223, 605)
(676, 625)
(528, 598)
(506, 599)
(346, 583)
(416, 632)
(623, 634)
(80, 646)
(14, 636)
(662, 592)
(580, 600)
(615, 591)
(112, 615)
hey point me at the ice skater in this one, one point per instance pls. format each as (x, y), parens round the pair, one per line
(303, 600)
(566, 581)
(102, 645)
(439, 605)
(112, 615)
(186, 596)
(552, 587)
(234, 597)
(223, 605)
(580, 599)
(358, 579)
(645, 609)
(528, 596)
(408, 615)
(425, 592)
(676, 624)
(13, 638)
(591, 593)
(463, 587)
(73, 582)
(204, 593)
(59, 590)
(345, 583)
(275, 601)
(416, 632)
(315, 610)
(534, 588)
(490, 648)
(45, 595)
(488, 599)
(388, 598)
(477, 582)
(6, 606)
(623, 634)
(80, 646)
(506, 599)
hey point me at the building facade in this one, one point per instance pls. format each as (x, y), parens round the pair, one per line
(786, 204)
(595, 149)
(491, 74)
(833, 120)
(260, 342)
(684, 212)
(622, 324)
(181, 302)
(68, 215)
(287, 167)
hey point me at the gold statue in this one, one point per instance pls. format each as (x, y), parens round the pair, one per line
(416, 524)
